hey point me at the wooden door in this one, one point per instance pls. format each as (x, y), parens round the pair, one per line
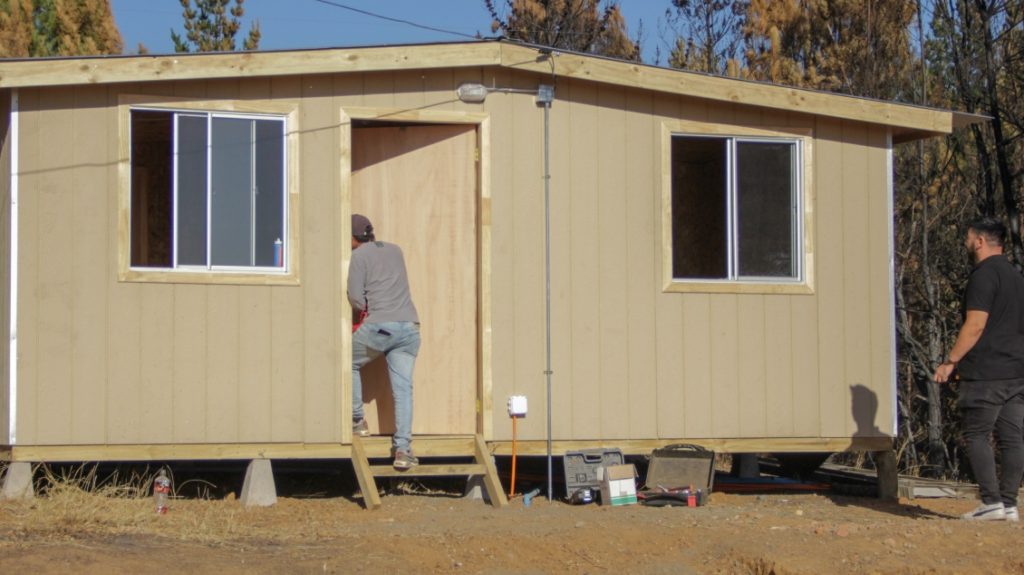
(418, 186)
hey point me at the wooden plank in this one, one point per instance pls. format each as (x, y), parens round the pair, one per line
(670, 336)
(497, 210)
(157, 391)
(212, 451)
(189, 397)
(27, 359)
(643, 214)
(725, 359)
(881, 298)
(89, 268)
(856, 289)
(6, 172)
(424, 470)
(255, 365)
(613, 287)
(222, 386)
(53, 282)
(778, 366)
(367, 486)
(751, 360)
(588, 410)
(392, 168)
(320, 258)
(697, 384)
(494, 488)
(830, 253)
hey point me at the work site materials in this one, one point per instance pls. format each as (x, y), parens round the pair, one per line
(681, 465)
(581, 469)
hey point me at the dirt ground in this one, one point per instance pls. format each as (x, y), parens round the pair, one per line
(441, 532)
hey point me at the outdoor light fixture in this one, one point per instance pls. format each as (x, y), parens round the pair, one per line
(474, 93)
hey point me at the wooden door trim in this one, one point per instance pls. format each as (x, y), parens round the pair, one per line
(484, 391)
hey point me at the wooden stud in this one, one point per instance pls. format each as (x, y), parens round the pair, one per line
(494, 488)
(364, 475)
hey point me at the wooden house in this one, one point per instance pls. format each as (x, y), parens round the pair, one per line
(174, 242)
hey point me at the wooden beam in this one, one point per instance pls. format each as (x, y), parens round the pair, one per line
(145, 68)
(428, 470)
(364, 475)
(494, 489)
(927, 121)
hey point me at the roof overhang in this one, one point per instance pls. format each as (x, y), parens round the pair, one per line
(906, 122)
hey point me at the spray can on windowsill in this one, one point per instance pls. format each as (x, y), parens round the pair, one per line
(161, 491)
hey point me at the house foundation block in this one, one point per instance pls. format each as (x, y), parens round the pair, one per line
(259, 489)
(17, 483)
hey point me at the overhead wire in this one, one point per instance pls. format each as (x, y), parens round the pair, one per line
(396, 20)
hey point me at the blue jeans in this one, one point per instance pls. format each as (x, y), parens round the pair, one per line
(398, 342)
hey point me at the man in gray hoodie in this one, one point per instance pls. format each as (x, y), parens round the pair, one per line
(378, 288)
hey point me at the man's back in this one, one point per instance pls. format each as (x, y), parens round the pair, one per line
(379, 283)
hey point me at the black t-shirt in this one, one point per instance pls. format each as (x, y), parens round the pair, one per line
(996, 287)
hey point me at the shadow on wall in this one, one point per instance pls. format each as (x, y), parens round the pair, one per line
(865, 409)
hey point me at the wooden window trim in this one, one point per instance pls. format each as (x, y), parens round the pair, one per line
(672, 285)
(287, 109)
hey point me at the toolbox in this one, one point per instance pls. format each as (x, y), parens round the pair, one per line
(581, 468)
(681, 465)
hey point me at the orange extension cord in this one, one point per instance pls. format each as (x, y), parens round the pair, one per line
(512, 487)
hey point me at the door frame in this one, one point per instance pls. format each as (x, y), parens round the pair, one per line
(482, 121)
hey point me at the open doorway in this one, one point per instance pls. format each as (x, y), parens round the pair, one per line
(418, 185)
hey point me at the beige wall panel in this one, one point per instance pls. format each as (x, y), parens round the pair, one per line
(503, 294)
(778, 366)
(156, 386)
(287, 394)
(348, 90)
(53, 219)
(255, 366)
(89, 267)
(751, 362)
(670, 352)
(28, 267)
(5, 261)
(321, 259)
(613, 286)
(725, 384)
(698, 385)
(857, 189)
(585, 268)
(222, 397)
(806, 420)
(191, 345)
(642, 192)
(527, 259)
(562, 149)
(669, 338)
(379, 89)
(188, 89)
(831, 265)
(880, 296)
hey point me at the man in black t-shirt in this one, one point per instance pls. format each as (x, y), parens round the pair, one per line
(989, 356)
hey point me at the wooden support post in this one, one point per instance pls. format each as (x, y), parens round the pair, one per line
(888, 477)
(494, 489)
(371, 499)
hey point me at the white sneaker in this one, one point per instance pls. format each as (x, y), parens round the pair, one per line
(1011, 514)
(993, 512)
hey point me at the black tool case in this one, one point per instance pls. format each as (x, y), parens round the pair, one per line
(679, 466)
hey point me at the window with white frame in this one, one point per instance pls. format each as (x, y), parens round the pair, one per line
(207, 191)
(736, 209)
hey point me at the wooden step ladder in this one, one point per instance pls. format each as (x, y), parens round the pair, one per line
(366, 448)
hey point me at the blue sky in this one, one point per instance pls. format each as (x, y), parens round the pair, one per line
(289, 24)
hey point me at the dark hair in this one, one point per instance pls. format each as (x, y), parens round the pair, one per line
(365, 238)
(989, 228)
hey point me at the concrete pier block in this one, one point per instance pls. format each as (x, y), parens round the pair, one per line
(259, 489)
(17, 482)
(476, 489)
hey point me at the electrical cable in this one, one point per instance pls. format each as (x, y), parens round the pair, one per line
(512, 487)
(398, 20)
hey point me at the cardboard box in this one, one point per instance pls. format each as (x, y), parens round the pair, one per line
(618, 484)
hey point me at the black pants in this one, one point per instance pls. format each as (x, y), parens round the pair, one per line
(998, 405)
